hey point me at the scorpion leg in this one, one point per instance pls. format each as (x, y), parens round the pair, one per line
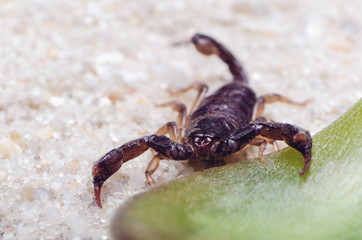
(275, 146)
(107, 165)
(201, 93)
(262, 143)
(170, 128)
(272, 98)
(175, 133)
(151, 168)
(181, 119)
(262, 146)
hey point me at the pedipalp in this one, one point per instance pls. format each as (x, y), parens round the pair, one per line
(113, 160)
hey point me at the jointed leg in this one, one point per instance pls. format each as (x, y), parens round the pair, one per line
(175, 131)
(262, 144)
(169, 128)
(272, 98)
(201, 93)
(178, 128)
(151, 168)
(178, 107)
(275, 146)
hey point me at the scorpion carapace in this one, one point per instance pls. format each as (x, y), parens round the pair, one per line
(217, 126)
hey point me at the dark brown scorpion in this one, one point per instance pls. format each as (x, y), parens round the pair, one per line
(219, 125)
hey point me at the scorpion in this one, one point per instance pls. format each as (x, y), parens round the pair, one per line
(218, 125)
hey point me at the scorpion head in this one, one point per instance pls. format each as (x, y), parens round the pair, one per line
(202, 141)
(205, 136)
(202, 145)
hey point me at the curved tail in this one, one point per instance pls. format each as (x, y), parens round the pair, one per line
(207, 46)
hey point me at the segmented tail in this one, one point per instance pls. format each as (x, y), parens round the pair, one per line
(207, 46)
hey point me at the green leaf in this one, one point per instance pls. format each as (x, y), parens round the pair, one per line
(252, 200)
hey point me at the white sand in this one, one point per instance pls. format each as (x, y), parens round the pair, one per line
(78, 78)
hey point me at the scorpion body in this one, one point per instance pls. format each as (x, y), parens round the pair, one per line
(219, 125)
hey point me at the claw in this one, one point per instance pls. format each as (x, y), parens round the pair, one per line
(103, 169)
(107, 165)
(97, 193)
(307, 160)
(305, 168)
(98, 183)
(303, 142)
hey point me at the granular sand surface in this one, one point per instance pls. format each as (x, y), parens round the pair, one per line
(78, 78)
